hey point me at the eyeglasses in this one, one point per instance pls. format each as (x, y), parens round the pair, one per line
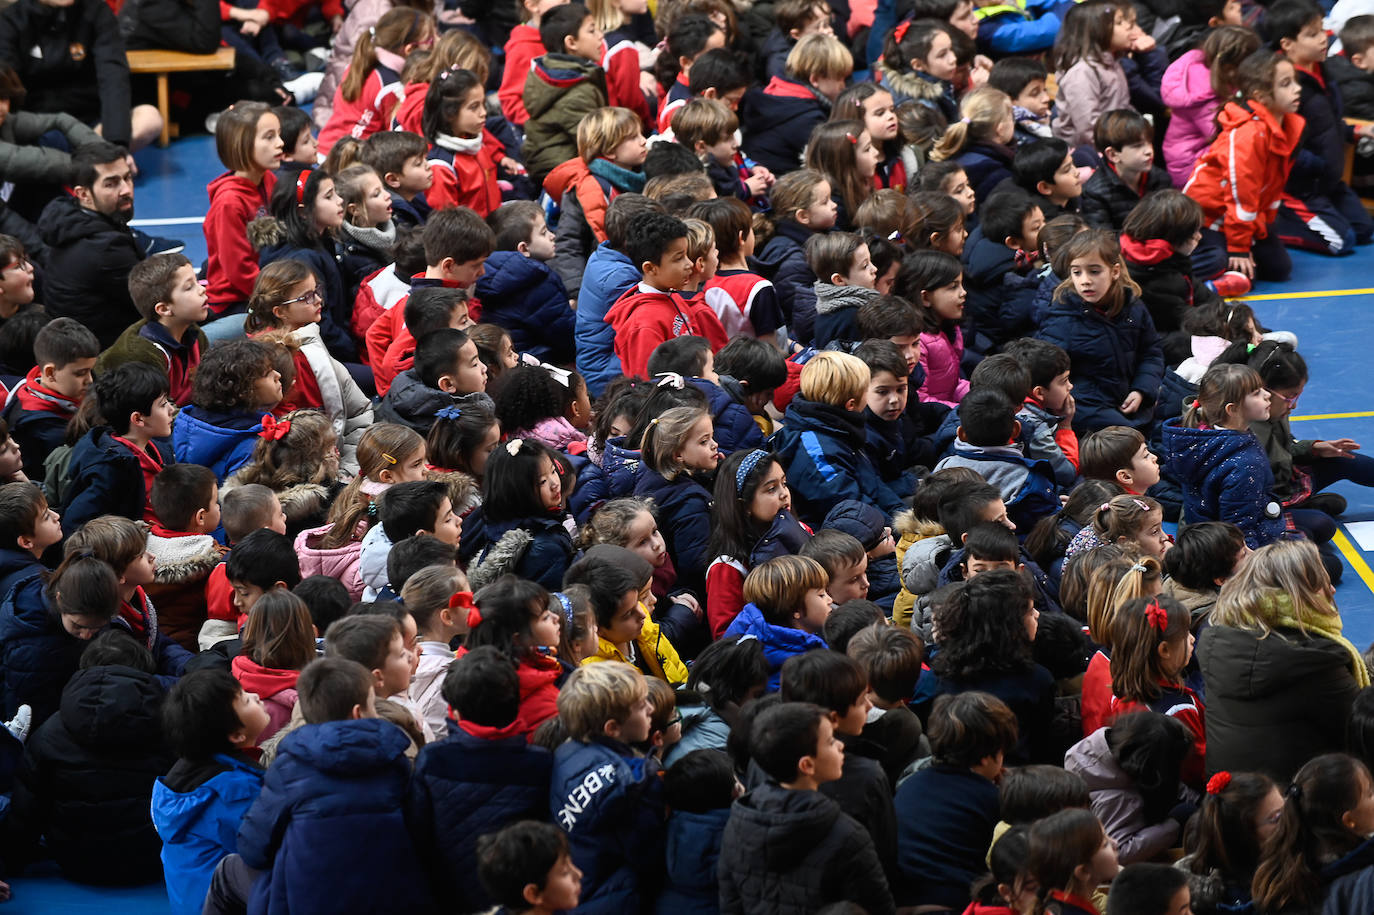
(312, 297)
(1290, 401)
(676, 719)
(22, 264)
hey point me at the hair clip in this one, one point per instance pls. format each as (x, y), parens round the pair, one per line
(1138, 567)
(853, 140)
(670, 380)
(748, 636)
(1217, 783)
(372, 33)
(372, 509)
(900, 31)
(388, 458)
(449, 413)
(895, 235)
(567, 604)
(301, 179)
(513, 446)
(746, 467)
(1294, 791)
(274, 430)
(966, 121)
(85, 554)
(1156, 615)
(1104, 506)
(562, 376)
(1141, 505)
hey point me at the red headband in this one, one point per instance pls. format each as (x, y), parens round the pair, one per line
(303, 177)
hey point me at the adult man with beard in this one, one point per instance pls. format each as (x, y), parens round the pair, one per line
(91, 247)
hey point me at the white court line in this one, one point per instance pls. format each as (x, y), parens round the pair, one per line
(169, 221)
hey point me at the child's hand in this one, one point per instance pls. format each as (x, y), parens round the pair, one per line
(510, 165)
(648, 84)
(979, 72)
(1142, 42)
(690, 602)
(758, 186)
(1132, 402)
(1336, 448)
(1069, 408)
(765, 174)
(1364, 130)
(249, 28)
(1242, 264)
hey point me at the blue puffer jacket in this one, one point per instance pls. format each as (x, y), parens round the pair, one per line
(821, 446)
(37, 656)
(332, 815)
(464, 787)
(609, 273)
(106, 479)
(1027, 485)
(610, 803)
(197, 810)
(616, 476)
(223, 442)
(784, 537)
(783, 260)
(734, 425)
(1225, 476)
(779, 642)
(528, 299)
(547, 557)
(702, 729)
(684, 517)
(1109, 359)
(986, 165)
(693, 848)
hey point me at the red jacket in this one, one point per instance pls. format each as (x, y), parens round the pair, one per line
(378, 339)
(643, 318)
(296, 10)
(371, 110)
(521, 50)
(466, 179)
(231, 267)
(410, 111)
(1239, 179)
(621, 64)
(574, 175)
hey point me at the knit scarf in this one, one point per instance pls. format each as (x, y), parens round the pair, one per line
(622, 179)
(468, 146)
(1280, 609)
(380, 238)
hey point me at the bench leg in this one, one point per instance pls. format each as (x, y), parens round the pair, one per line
(164, 108)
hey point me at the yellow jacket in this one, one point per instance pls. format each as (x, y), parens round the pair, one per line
(911, 531)
(659, 655)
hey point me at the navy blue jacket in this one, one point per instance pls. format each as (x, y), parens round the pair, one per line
(693, 847)
(1225, 476)
(997, 310)
(895, 446)
(106, 479)
(465, 787)
(37, 656)
(777, 124)
(734, 426)
(527, 299)
(410, 402)
(1109, 358)
(547, 557)
(945, 818)
(37, 433)
(987, 165)
(338, 306)
(1321, 159)
(330, 824)
(779, 642)
(610, 803)
(684, 517)
(608, 275)
(821, 446)
(1107, 201)
(783, 260)
(617, 475)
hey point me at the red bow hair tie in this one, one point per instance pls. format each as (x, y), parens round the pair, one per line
(1157, 616)
(274, 430)
(1217, 783)
(462, 600)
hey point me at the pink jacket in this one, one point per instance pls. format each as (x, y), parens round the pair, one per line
(343, 563)
(941, 356)
(362, 15)
(1187, 90)
(1087, 90)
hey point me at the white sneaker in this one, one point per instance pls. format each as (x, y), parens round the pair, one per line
(19, 724)
(304, 87)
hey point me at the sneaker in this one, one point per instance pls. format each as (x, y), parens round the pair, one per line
(1329, 503)
(19, 724)
(1230, 284)
(286, 71)
(153, 244)
(316, 58)
(305, 87)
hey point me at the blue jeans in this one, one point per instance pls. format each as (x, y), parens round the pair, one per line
(228, 326)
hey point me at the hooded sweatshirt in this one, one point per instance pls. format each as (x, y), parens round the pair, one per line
(276, 689)
(231, 268)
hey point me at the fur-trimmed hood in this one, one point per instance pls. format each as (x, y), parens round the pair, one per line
(905, 523)
(182, 559)
(912, 85)
(266, 232)
(463, 489)
(502, 557)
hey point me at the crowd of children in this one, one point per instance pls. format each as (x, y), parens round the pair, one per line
(708, 460)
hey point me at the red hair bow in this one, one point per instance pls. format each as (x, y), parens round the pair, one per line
(1217, 783)
(900, 31)
(1157, 616)
(274, 430)
(462, 600)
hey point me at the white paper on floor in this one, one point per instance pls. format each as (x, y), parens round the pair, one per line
(1362, 532)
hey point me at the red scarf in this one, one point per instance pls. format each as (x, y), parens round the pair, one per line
(151, 465)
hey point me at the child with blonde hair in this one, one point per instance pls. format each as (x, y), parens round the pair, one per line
(1112, 585)
(778, 120)
(679, 448)
(368, 232)
(980, 140)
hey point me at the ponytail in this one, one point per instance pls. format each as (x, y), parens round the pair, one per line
(397, 28)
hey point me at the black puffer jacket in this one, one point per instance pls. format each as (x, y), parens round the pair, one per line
(790, 852)
(89, 259)
(70, 59)
(86, 782)
(1275, 702)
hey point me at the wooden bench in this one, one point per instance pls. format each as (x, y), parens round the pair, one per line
(163, 63)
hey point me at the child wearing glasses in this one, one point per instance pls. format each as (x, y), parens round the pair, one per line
(287, 298)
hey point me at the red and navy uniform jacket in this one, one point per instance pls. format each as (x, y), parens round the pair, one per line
(369, 112)
(466, 180)
(678, 95)
(621, 63)
(744, 303)
(389, 342)
(181, 358)
(1180, 702)
(37, 417)
(891, 173)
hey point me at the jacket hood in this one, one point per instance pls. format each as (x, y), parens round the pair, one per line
(783, 826)
(860, 520)
(1193, 452)
(204, 442)
(17, 561)
(553, 75)
(410, 397)
(693, 843)
(1091, 759)
(194, 790)
(65, 222)
(1283, 135)
(231, 184)
(181, 559)
(831, 298)
(113, 706)
(563, 177)
(912, 84)
(509, 273)
(265, 681)
(825, 418)
(1150, 251)
(350, 749)
(784, 537)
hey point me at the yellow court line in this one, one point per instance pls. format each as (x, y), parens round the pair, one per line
(1324, 293)
(1298, 419)
(1353, 557)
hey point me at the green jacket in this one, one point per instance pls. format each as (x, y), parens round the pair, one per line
(1282, 449)
(22, 160)
(131, 346)
(560, 90)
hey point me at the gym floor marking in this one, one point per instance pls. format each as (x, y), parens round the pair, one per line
(1316, 294)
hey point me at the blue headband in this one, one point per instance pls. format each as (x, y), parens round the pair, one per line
(746, 467)
(567, 604)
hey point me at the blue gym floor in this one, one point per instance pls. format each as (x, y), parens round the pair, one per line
(1326, 303)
